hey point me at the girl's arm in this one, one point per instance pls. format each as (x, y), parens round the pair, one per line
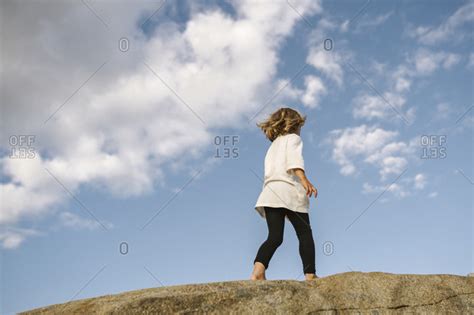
(310, 189)
(295, 163)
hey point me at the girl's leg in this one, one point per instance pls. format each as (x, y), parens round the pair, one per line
(275, 218)
(300, 222)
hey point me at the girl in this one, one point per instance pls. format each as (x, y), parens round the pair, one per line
(286, 191)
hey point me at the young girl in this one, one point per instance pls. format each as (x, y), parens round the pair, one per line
(286, 191)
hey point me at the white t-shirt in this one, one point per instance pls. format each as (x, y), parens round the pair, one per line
(281, 187)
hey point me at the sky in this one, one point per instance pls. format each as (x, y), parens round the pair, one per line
(130, 156)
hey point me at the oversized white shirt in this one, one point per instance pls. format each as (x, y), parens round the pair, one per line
(281, 187)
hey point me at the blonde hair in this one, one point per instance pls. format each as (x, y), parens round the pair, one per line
(283, 121)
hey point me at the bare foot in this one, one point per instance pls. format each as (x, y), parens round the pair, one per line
(258, 272)
(310, 276)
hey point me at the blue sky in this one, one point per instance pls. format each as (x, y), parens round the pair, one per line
(126, 185)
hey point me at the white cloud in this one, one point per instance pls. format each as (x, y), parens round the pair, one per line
(287, 91)
(372, 21)
(72, 220)
(328, 62)
(323, 54)
(30, 192)
(443, 111)
(368, 188)
(390, 103)
(371, 145)
(402, 78)
(344, 27)
(395, 188)
(122, 127)
(391, 165)
(314, 90)
(402, 84)
(11, 238)
(398, 190)
(367, 22)
(420, 181)
(471, 60)
(351, 142)
(433, 194)
(322, 31)
(426, 61)
(450, 30)
(376, 107)
(378, 67)
(401, 188)
(451, 60)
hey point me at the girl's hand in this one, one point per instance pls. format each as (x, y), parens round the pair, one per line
(310, 189)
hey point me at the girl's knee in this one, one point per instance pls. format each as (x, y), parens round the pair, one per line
(306, 232)
(275, 241)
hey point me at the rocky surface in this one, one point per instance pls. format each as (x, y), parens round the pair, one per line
(346, 293)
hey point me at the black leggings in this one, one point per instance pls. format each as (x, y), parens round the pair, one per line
(276, 222)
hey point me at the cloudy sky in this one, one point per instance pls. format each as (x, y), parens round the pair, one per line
(130, 158)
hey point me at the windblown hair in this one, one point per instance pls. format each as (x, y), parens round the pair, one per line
(283, 121)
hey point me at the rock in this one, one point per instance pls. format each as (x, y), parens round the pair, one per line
(345, 293)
